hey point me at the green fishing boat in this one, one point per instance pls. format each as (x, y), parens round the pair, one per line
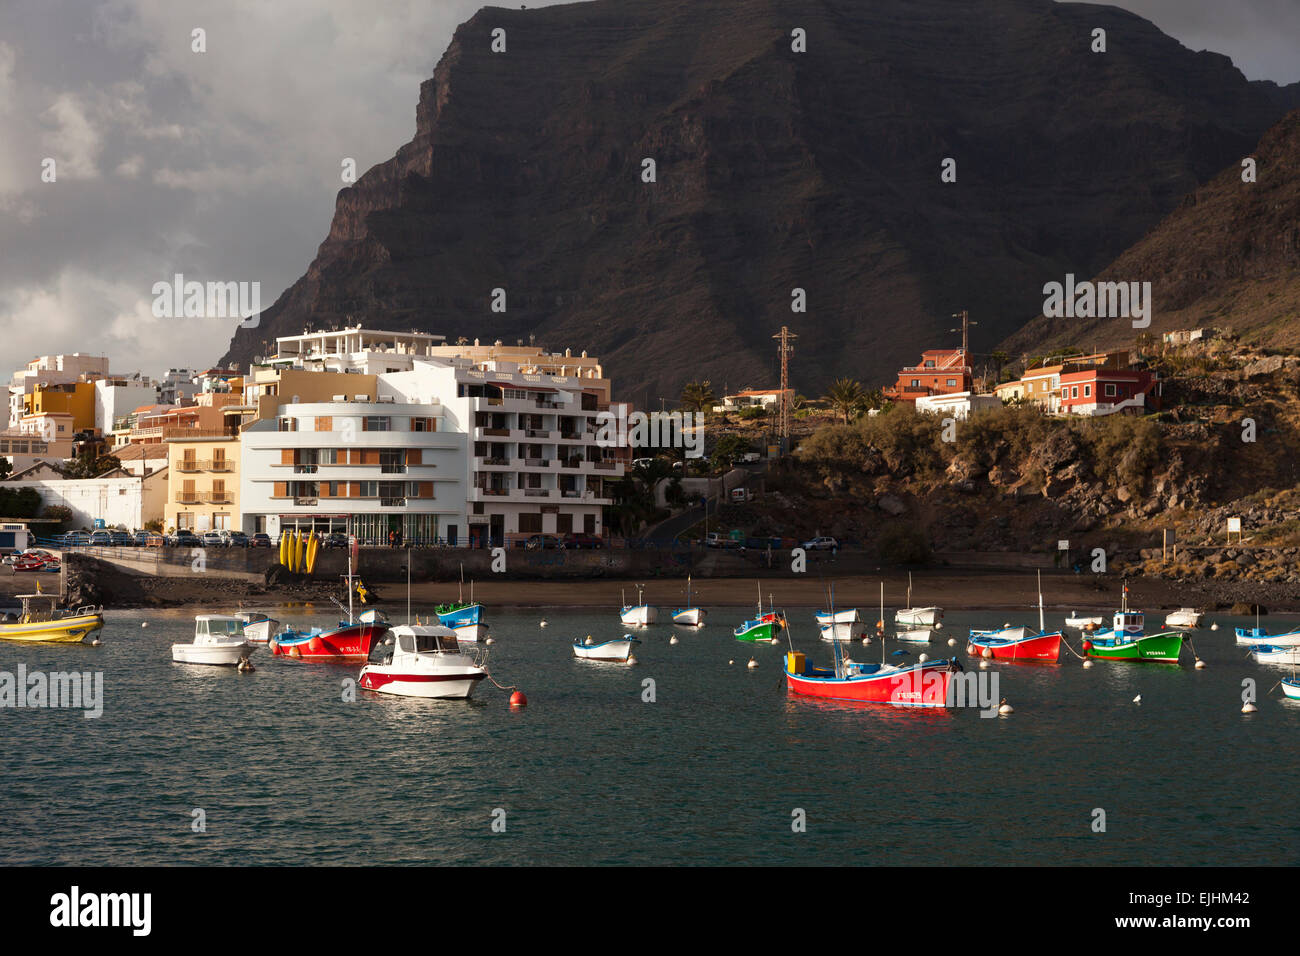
(763, 627)
(1126, 642)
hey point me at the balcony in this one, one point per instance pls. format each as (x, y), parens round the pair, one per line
(188, 465)
(392, 502)
(536, 463)
(537, 492)
(496, 460)
(392, 469)
(304, 469)
(495, 492)
(497, 432)
(303, 502)
(537, 433)
(221, 497)
(188, 498)
(605, 465)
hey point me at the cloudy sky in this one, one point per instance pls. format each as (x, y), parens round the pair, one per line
(224, 165)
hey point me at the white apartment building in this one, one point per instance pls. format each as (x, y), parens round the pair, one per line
(477, 449)
(957, 405)
(116, 397)
(59, 369)
(361, 465)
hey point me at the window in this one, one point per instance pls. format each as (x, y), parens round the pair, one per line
(916, 383)
(287, 424)
(330, 456)
(369, 489)
(530, 523)
(1074, 391)
(1110, 389)
(376, 423)
(952, 381)
(424, 425)
(1087, 391)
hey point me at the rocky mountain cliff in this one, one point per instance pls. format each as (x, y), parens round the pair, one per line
(776, 170)
(1228, 256)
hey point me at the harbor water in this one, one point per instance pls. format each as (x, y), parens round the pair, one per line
(688, 757)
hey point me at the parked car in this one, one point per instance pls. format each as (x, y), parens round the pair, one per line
(153, 539)
(582, 541)
(121, 539)
(76, 539)
(543, 542)
(140, 539)
(741, 495)
(235, 539)
(750, 457)
(261, 540)
(720, 539)
(335, 539)
(822, 543)
(212, 539)
(184, 538)
(100, 539)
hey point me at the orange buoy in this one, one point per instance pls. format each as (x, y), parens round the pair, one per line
(517, 699)
(315, 645)
(294, 652)
(1087, 645)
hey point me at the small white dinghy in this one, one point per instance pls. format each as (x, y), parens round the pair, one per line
(616, 651)
(915, 635)
(421, 661)
(258, 627)
(1183, 617)
(218, 639)
(843, 630)
(1083, 621)
(1257, 636)
(917, 616)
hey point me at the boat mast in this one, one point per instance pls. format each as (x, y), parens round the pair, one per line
(881, 635)
(350, 586)
(1042, 628)
(408, 587)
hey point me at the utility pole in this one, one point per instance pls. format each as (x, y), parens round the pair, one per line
(786, 337)
(966, 323)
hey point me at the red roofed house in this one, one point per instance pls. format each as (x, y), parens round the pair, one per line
(940, 372)
(1106, 391)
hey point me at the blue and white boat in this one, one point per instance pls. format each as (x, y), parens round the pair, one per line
(689, 616)
(618, 651)
(1258, 635)
(639, 614)
(1271, 654)
(1291, 687)
(463, 617)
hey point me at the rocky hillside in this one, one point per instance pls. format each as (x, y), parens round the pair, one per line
(775, 170)
(1228, 257)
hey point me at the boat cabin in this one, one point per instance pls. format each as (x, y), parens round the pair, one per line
(1128, 623)
(414, 640)
(218, 625)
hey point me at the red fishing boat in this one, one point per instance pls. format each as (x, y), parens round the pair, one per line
(350, 642)
(1018, 643)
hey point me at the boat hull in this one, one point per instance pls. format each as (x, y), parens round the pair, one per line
(754, 633)
(471, 633)
(1185, 617)
(611, 652)
(348, 644)
(843, 631)
(259, 632)
(1257, 636)
(220, 655)
(1083, 623)
(915, 635)
(456, 685)
(689, 617)
(1291, 688)
(919, 616)
(924, 685)
(850, 616)
(461, 616)
(1009, 646)
(1156, 648)
(642, 615)
(1267, 654)
(65, 630)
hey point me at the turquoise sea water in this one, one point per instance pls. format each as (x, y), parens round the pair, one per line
(711, 772)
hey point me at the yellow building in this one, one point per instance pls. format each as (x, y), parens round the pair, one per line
(73, 398)
(202, 484)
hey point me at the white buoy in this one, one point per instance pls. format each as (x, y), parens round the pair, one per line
(1248, 708)
(1200, 664)
(922, 657)
(731, 662)
(984, 665)
(1214, 626)
(986, 653)
(542, 623)
(1005, 708)
(752, 664)
(489, 641)
(774, 641)
(144, 623)
(1137, 699)
(96, 642)
(952, 642)
(1087, 664)
(939, 626)
(589, 641)
(631, 659)
(673, 640)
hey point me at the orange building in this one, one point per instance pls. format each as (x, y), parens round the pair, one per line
(940, 372)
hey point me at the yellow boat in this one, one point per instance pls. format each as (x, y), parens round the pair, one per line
(52, 625)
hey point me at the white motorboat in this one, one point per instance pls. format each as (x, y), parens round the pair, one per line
(639, 614)
(1270, 654)
(1084, 622)
(843, 630)
(421, 661)
(917, 616)
(218, 639)
(258, 627)
(1183, 617)
(1257, 636)
(616, 651)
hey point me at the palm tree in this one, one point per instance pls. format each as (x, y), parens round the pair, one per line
(846, 396)
(698, 397)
